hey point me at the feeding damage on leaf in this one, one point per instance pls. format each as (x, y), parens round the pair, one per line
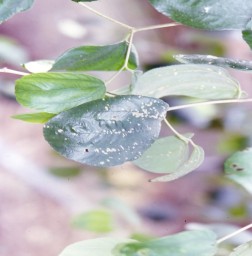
(107, 132)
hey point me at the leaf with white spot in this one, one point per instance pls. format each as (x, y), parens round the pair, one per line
(243, 250)
(238, 167)
(107, 132)
(165, 155)
(194, 161)
(198, 81)
(244, 65)
(207, 14)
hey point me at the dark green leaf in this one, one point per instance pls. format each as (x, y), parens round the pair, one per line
(207, 14)
(8, 8)
(213, 60)
(247, 36)
(180, 244)
(35, 117)
(165, 155)
(56, 92)
(194, 161)
(199, 81)
(99, 221)
(93, 247)
(107, 132)
(100, 58)
(238, 167)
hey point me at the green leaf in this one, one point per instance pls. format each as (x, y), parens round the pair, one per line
(65, 172)
(107, 132)
(213, 60)
(199, 81)
(193, 162)
(165, 155)
(207, 14)
(247, 36)
(99, 58)
(238, 167)
(40, 118)
(180, 244)
(243, 250)
(99, 221)
(38, 66)
(56, 92)
(93, 247)
(8, 8)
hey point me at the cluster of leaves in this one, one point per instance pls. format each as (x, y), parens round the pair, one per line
(88, 124)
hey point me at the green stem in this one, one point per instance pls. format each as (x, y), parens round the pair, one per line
(234, 233)
(209, 103)
(15, 72)
(105, 16)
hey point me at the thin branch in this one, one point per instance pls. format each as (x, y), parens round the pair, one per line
(234, 233)
(186, 140)
(15, 72)
(210, 103)
(130, 41)
(105, 16)
(167, 25)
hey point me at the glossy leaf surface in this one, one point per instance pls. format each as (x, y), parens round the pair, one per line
(247, 36)
(165, 155)
(107, 132)
(207, 14)
(199, 81)
(99, 221)
(99, 58)
(93, 247)
(56, 92)
(243, 250)
(238, 167)
(38, 66)
(8, 8)
(213, 60)
(194, 161)
(180, 244)
(35, 117)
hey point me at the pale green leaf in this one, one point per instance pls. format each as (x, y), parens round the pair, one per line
(93, 247)
(243, 250)
(165, 155)
(8, 8)
(107, 132)
(198, 81)
(194, 161)
(99, 58)
(56, 92)
(40, 118)
(238, 167)
(187, 243)
(207, 14)
(99, 221)
(213, 60)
